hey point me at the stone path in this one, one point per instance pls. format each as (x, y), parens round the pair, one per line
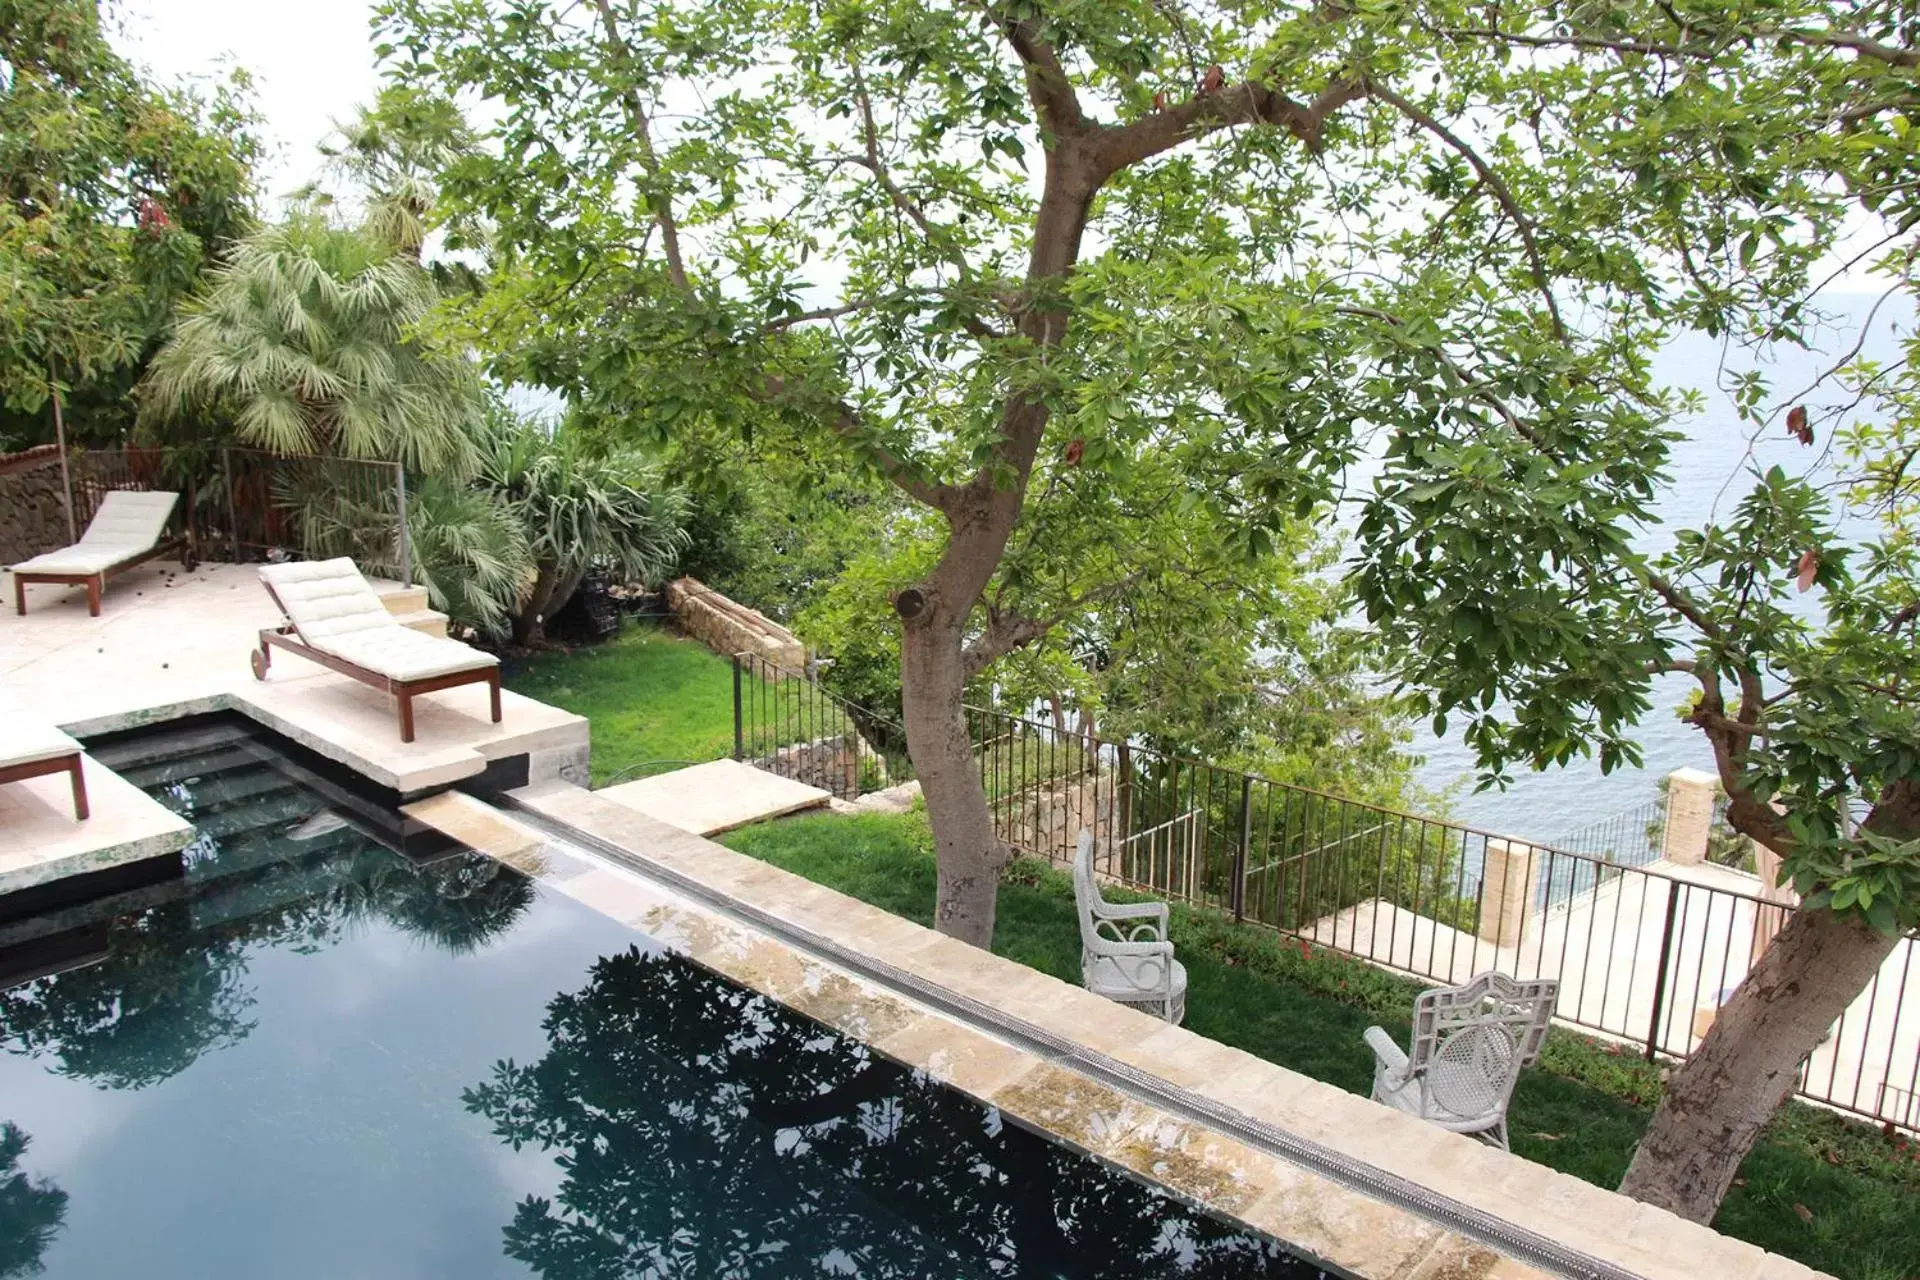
(717, 796)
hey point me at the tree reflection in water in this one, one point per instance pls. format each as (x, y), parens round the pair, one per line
(31, 1209)
(705, 1131)
(173, 986)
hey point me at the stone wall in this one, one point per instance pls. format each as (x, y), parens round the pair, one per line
(728, 628)
(33, 512)
(1046, 820)
(846, 766)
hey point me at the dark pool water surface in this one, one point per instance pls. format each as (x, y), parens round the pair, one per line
(314, 1057)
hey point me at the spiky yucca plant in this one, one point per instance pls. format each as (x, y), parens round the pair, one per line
(306, 341)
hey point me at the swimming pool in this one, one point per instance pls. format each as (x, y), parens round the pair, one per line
(315, 1057)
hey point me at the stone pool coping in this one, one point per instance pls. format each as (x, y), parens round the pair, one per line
(1326, 1219)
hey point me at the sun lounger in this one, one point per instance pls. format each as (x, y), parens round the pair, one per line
(335, 619)
(32, 748)
(124, 532)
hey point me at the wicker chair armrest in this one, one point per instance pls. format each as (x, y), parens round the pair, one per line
(1107, 947)
(1388, 1056)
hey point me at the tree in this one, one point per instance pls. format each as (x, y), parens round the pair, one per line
(1809, 711)
(116, 195)
(958, 338)
(1246, 246)
(306, 342)
(579, 507)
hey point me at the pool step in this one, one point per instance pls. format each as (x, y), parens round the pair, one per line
(427, 621)
(411, 606)
(401, 600)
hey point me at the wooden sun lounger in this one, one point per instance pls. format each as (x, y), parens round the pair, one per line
(30, 748)
(137, 518)
(483, 669)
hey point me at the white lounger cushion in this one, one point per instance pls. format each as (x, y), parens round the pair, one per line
(126, 525)
(334, 610)
(26, 738)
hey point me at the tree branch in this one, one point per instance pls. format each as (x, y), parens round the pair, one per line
(828, 313)
(1494, 182)
(1892, 55)
(937, 237)
(1245, 103)
(660, 201)
(1048, 86)
(847, 423)
(1006, 632)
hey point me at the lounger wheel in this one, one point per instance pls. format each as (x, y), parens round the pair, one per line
(258, 659)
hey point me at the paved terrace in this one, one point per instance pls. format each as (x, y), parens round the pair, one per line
(1604, 945)
(169, 644)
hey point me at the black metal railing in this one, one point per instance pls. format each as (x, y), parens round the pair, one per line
(1645, 951)
(247, 504)
(786, 723)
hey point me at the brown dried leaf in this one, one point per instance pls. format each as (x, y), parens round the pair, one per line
(1807, 569)
(1805, 1214)
(1797, 425)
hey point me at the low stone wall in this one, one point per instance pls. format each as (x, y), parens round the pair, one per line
(729, 628)
(846, 766)
(1046, 821)
(33, 511)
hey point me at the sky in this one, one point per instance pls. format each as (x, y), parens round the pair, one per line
(312, 63)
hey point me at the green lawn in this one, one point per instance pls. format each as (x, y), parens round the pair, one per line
(1833, 1194)
(652, 697)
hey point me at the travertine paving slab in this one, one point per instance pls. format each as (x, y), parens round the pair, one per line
(706, 799)
(40, 841)
(170, 643)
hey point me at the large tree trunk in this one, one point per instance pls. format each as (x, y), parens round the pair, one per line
(1719, 1099)
(936, 659)
(967, 850)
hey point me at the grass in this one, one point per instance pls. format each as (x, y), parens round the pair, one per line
(652, 697)
(1831, 1193)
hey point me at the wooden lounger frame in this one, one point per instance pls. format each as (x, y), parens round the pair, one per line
(96, 582)
(68, 763)
(402, 690)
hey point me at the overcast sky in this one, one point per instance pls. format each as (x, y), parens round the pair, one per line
(312, 62)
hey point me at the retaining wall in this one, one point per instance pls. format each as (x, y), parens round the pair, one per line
(728, 628)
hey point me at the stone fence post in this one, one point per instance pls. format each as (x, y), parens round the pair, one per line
(1508, 881)
(1690, 799)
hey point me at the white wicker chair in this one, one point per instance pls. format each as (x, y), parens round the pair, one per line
(1127, 963)
(1470, 1044)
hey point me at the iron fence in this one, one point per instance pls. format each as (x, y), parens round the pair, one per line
(246, 504)
(1645, 951)
(786, 723)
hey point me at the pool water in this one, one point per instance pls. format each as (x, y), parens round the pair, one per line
(315, 1057)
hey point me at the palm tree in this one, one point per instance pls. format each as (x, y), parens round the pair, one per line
(580, 506)
(307, 341)
(392, 152)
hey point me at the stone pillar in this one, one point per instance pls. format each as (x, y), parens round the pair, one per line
(1690, 797)
(1508, 882)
